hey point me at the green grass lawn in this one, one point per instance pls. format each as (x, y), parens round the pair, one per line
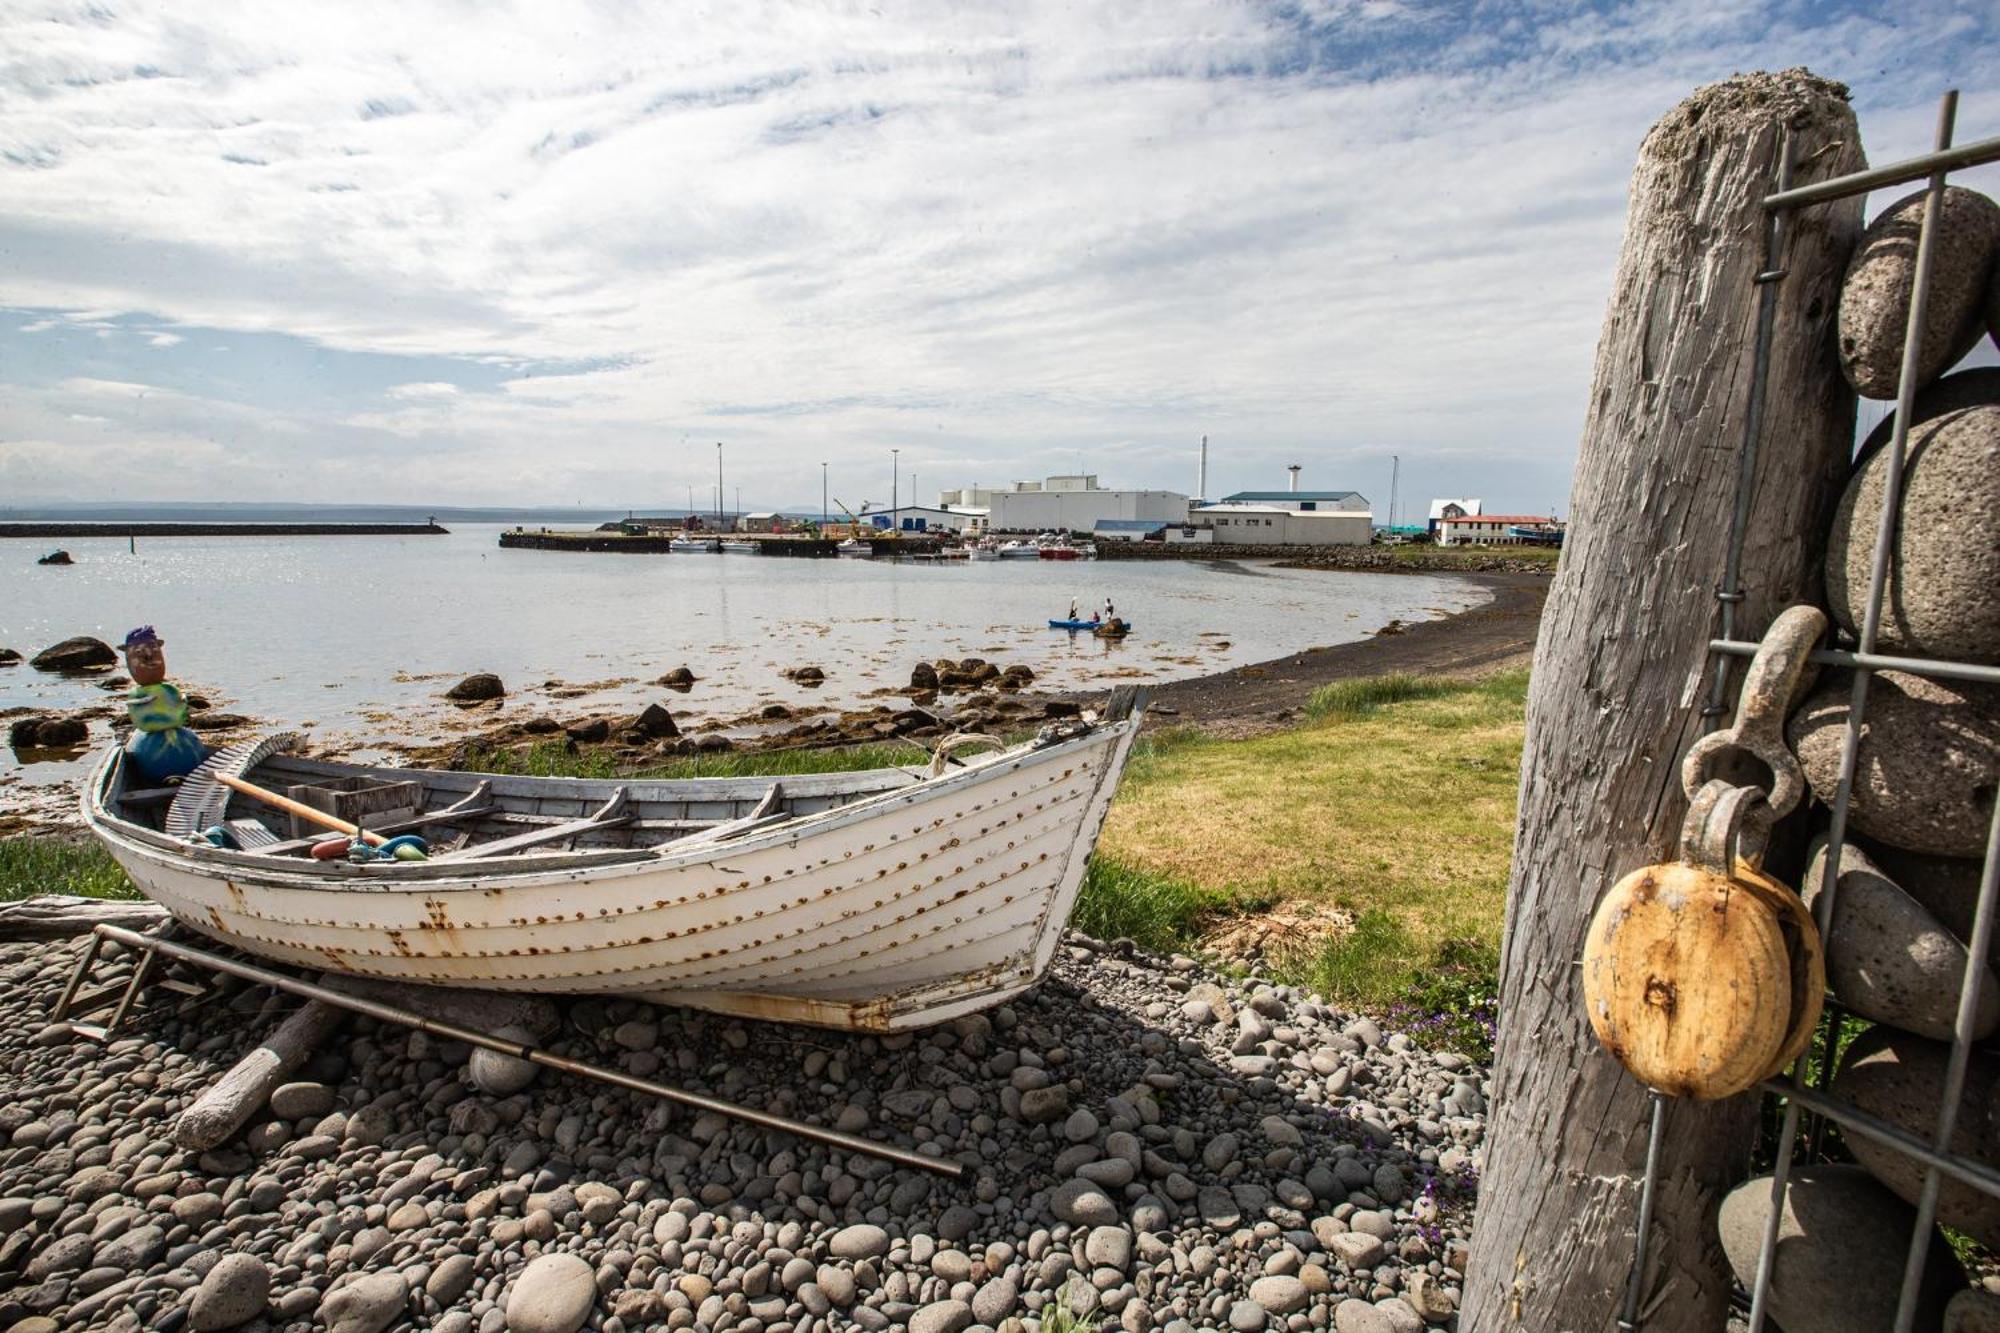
(30, 867)
(1395, 802)
(552, 759)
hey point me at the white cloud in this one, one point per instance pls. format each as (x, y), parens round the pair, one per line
(992, 236)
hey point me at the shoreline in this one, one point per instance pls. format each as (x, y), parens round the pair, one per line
(1265, 696)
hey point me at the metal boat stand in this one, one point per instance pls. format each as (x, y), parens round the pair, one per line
(151, 948)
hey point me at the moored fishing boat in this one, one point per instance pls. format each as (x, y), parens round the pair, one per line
(874, 900)
(693, 545)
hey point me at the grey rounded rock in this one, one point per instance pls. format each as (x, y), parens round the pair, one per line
(1947, 886)
(1841, 1244)
(1247, 1317)
(366, 1305)
(1942, 595)
(1109, 1247)
(501, 1075)
(1080, 1203)
(1357, 1316)
(450, 1279)
(554, 1294)
(995, 1300)
(1875, 293)
(301, 1101)
(1888, 958)
(1282, 1294)
(1973, 1311)
(942, 1317)
(1900, 1078)
(863, 1240)
(234, 1292)
(1929, 762)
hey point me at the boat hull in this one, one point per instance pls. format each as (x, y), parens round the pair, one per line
(900, 910)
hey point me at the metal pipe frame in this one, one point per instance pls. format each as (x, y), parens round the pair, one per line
(533, 1054)
(1977, 672)
(1864, 661)
(1975, 154)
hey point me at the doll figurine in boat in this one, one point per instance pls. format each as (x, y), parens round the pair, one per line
(162, 747)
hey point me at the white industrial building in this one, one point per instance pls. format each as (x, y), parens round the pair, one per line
(1072, 503)
(1274, 525)
(1498, 530)
(1444, 510)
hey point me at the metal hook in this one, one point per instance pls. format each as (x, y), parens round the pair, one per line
(1777, 676)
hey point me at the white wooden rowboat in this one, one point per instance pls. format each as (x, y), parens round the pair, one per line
(875, 900)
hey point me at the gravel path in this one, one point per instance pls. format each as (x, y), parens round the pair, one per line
(1152, 1147)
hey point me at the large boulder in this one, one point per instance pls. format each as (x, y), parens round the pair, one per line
(477, 688)
(1842, 1240)
(1929, 762)
(82, 653)
(1875, 294)
(1900, 1078)
(9, 657)
(1890, 959)
(680, 678)
(1942, 594)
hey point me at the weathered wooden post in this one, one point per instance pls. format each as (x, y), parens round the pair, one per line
(1620, 683)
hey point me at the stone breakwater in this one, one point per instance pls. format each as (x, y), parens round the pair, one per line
(1370, 559)
(1151, 1147)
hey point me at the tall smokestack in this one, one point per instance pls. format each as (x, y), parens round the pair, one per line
(1201, 474)
(1294, 470)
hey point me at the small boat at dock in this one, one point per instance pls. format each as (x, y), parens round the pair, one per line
(877, 900)
(694, 545)
(738, 547)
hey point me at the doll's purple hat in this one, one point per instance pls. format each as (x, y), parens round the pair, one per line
(143, 634)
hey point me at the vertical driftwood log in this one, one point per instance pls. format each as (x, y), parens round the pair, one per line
(226, 1107)
(1619, 679)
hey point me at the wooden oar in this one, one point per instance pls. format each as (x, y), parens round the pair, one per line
(311, 814)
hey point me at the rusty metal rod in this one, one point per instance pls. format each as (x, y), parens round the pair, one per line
(533, 1054)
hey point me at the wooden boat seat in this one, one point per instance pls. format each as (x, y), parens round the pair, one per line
(473, 805)
(767, 811)
(612, 814)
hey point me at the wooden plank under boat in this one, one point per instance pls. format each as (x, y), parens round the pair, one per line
(874, 900)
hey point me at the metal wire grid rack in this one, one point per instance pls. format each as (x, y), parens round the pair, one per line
(1798, 1097)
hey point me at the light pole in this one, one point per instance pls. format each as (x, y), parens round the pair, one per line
(895, 465)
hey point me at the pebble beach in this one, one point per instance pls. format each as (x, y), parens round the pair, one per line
(1150, 1144)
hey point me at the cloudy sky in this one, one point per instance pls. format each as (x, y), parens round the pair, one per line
(451, 253)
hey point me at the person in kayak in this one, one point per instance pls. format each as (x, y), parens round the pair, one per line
(1072, 610)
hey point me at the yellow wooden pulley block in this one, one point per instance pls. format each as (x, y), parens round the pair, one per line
(1702, 985)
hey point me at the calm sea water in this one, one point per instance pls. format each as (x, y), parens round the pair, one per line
(354, 639)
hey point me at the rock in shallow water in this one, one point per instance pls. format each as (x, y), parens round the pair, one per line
(1842, 1240)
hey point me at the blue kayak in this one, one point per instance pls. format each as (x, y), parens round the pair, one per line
(1083, 624)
